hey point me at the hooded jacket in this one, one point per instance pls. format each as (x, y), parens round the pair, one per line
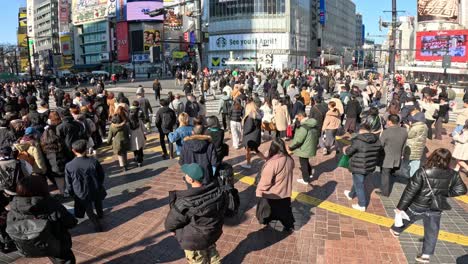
(33, 149)
(199, 149)
(305, 139)
(225, 104)
(365, 153)
(416, 142)
(84, 178)
(196, 216)
(119, 136)
(70, 130)
(60, 219)
(443, 182)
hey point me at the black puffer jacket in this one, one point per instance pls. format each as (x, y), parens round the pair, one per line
(443, 182)
(44, 208)
(199, 149)
(196, 216)
(365, 153)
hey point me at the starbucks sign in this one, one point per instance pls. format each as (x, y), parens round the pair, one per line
(254, 41)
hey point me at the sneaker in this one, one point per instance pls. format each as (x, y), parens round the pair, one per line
(246, 166)
(301, 181)
(359, 208)
(422, 259)
(394, 234)
(346, 194)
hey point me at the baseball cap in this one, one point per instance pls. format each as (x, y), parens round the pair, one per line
(194, 171)
(30, 131)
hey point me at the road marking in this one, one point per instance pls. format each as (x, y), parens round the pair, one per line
(364, 216)
(463, 198)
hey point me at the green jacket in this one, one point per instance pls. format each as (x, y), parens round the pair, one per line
(119, 136)
(305, 139)
(416, 141)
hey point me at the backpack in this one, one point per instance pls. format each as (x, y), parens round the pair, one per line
(451, 94)
(226, 182)
(33, 237)
(168, 120)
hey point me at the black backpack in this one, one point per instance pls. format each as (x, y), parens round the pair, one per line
(226, 182)
(168, 120)
(33, 237)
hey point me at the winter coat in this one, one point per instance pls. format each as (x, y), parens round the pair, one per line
(178, 137)
(429, 109)
(443, 182)
(145, 106)
(462, 116)
(332, 120)
(137, 137)
(460, 151)
(7, 137)
(33, 149)
(119, 136)
(199, 149)
(252, 135)
(54, 149)
(276, 178)
(306, 96)
(393, 140)
(9, 171)
(70, 130)
(282, 117)
(84, 179)
(305, 139)
(297, 107)
(196, 216)
(365, 153)
(353, 109)
(60, 219)
(165, 120)
(317, 115)
(192, 108)
(217, 138)
(177, 106)
(225, 105)
(416, 142)
(339, 105)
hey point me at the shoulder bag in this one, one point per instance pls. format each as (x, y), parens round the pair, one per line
(439, 202)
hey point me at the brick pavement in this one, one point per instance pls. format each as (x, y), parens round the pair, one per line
(137, 205)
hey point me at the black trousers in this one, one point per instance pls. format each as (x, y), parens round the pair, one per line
(386, 180)
(82, 207)
(162, 141)
(67, 258)
(306, 169)
(138, 155)
(157, 94)
(281, 210)
(225, 121)
(429, 124)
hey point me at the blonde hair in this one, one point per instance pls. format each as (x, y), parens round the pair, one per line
(251, 110)
(183, 119)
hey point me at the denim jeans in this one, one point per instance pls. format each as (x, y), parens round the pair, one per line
(457, 129)
(431, 222)
(358, 189)
(409, 167)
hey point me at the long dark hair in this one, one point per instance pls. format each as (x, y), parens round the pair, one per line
(277, 147)
(440, 158)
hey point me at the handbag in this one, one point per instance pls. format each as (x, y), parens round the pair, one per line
(435, 115)
(290, 131)
(344, 162)
(439, 202)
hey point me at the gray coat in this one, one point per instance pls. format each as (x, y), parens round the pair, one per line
(393, 140)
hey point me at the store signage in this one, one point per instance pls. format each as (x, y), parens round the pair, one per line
(438, 10)
(89, 11)
(122, 41)
(141, 57)
(322, 11)
(121, 10)
(255, 41)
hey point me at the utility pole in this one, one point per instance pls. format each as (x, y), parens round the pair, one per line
(392, 51)
(29, 59)
(199, 35)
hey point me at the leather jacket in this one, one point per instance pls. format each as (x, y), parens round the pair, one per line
(443, 182)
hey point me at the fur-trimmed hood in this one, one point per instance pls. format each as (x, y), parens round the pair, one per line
(197, 143)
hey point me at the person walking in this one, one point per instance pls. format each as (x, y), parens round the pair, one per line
(252, 137)
(304, 145)
(462, 116)
(119, 137)
(434, 181)
(84, 178)
(235, 117)
(416, 142)
(32, 203)
(165, 122)
(364, 152)
(225, 105)
(282, 119)
(196, 216)
(145, 107)
(157, 90)
(137, 134)
(393, 141)
(274, 188)
(214, 130)
(268, 120)
(442, 117)
(330, 127)
(431, 113)
(352, 111)
(184, 130)
(460, 153)
(188, 88)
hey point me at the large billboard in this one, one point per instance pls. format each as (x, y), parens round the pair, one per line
(151, 37)
(432, 45)
(87, 11)
(22, 18)
(136, 10)
(438, 10)
(121, 34)
(63, 16)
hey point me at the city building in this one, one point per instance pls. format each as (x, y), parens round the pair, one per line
(338, 32)
(359, 32)
(405, 41)
(262, 34)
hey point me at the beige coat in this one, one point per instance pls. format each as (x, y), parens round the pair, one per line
(276, 178)
(282, 118)
(461, 146)
(462, 116)
(332, 120)
(339, 105)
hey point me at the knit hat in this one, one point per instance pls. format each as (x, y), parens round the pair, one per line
(194, 171)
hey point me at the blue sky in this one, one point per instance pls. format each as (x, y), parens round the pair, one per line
(370, 9)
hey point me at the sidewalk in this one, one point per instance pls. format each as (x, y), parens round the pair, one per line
(328, 230)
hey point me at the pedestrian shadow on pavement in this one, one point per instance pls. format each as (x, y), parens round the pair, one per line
(325, 167)
(463, 259)
(255, 241)
(131, 176)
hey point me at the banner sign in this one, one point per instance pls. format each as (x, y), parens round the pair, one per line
(322, 12)
(22, 18)
(111, 8)
(433, 45)
(254, 41)
(151, 37)
(121, 33)
(65, 44)
(438, 10)
(87, 11)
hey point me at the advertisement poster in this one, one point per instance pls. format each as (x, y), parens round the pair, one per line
(136, 10)
(86, 11)
(433, 45)
(22, 41)
(438, 10)
(256, 41)
(121, 10)
(151, 38)
(65, 44)
(22, 19)
(121, 34)
(64, 13)
(173, 21)
(111, 7)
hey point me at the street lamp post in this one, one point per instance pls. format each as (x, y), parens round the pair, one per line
(392, 52)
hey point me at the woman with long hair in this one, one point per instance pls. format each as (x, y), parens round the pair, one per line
(137, 133)
(435, 181)
(268, 119)
(252, 137)
(274, 188)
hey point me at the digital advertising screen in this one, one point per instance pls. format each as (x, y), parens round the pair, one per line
(432, 45)
(136, 10)
(438, 10)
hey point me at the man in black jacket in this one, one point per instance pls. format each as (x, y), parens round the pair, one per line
(165, 121)
(70, 131)
(353, 110)
(364, 154)
(196, 216)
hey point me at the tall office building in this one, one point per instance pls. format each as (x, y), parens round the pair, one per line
(359, 31)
